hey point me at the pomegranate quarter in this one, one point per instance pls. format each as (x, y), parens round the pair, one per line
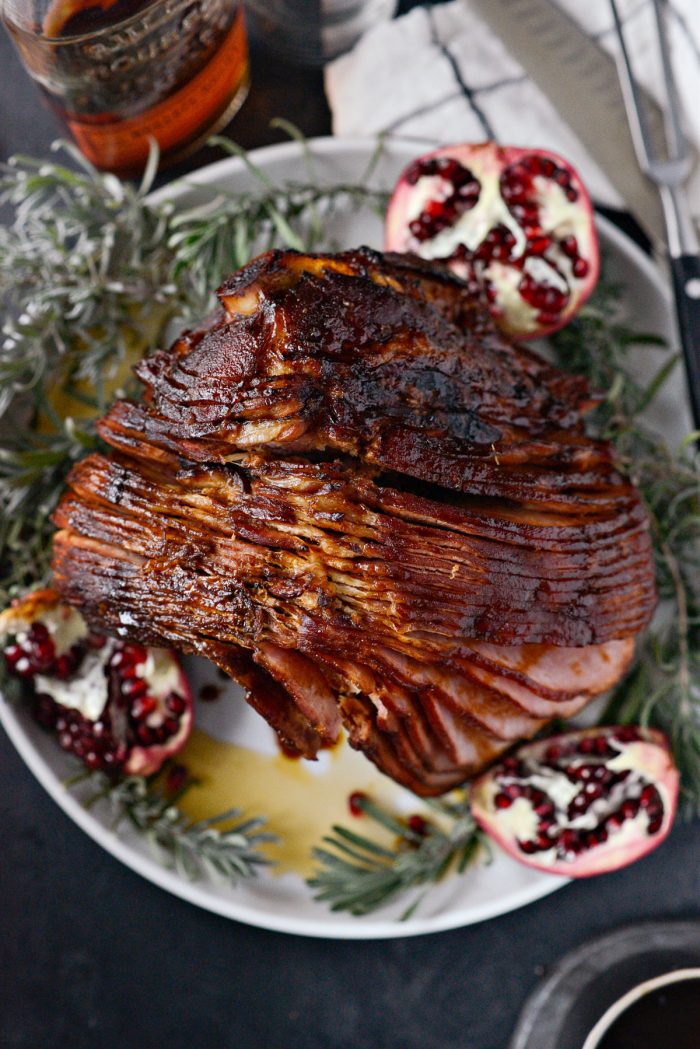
(516, 224)
(119, 707)
(584, 803)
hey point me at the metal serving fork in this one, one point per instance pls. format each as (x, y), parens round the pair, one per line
(669, 175)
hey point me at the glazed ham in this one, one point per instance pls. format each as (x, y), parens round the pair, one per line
(371, 510)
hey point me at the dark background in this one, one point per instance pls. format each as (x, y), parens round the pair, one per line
(94, 957)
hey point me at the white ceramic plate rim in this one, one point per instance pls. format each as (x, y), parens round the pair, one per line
(197, 893)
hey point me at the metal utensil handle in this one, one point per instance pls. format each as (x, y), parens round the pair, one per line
(686, 283)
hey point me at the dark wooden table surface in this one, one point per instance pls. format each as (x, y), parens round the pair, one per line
(94, 957)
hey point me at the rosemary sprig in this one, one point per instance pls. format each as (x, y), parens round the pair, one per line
(226, 846)
(359, 875)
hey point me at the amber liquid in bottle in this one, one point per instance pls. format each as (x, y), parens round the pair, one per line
(120, 72)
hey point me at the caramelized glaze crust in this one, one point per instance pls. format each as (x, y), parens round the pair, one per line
(367, 506)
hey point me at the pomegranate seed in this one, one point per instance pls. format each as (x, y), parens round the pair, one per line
(628, 734)
(13, 653)
(45, 711)
(142, 707)
(514, 189)
(470, 189)
(446, 165)
(528, 847)
(435, 209)
(175, 779)
(412, 174)
(629, 808)
(580, 268)
(552, 297)
(38, 631)
(654, 826)
(134, 687)
(502, 801)
(43, 654)
(538, 245)
(355, 802)
(128, 656)
(24, 668)
(569, 840)
(418, 825)
(175, 703)
(135, 652)
(145, 735)
(64, 667)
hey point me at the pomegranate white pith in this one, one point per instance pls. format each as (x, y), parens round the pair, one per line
(117, 706)
(583, 803)
(516, 224)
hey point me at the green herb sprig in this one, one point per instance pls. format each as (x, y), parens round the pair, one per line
(359, 875)
(225, 847)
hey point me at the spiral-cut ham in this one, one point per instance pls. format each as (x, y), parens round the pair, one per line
(369, 508)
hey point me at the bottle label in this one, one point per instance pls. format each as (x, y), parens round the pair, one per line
(123, 144)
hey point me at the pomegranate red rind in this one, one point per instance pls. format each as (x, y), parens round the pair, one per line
(516, 224)
(583, 803)
(119, 707)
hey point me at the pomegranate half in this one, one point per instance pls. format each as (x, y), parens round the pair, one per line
(583, 803)
(516, 224)
(118, 706)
